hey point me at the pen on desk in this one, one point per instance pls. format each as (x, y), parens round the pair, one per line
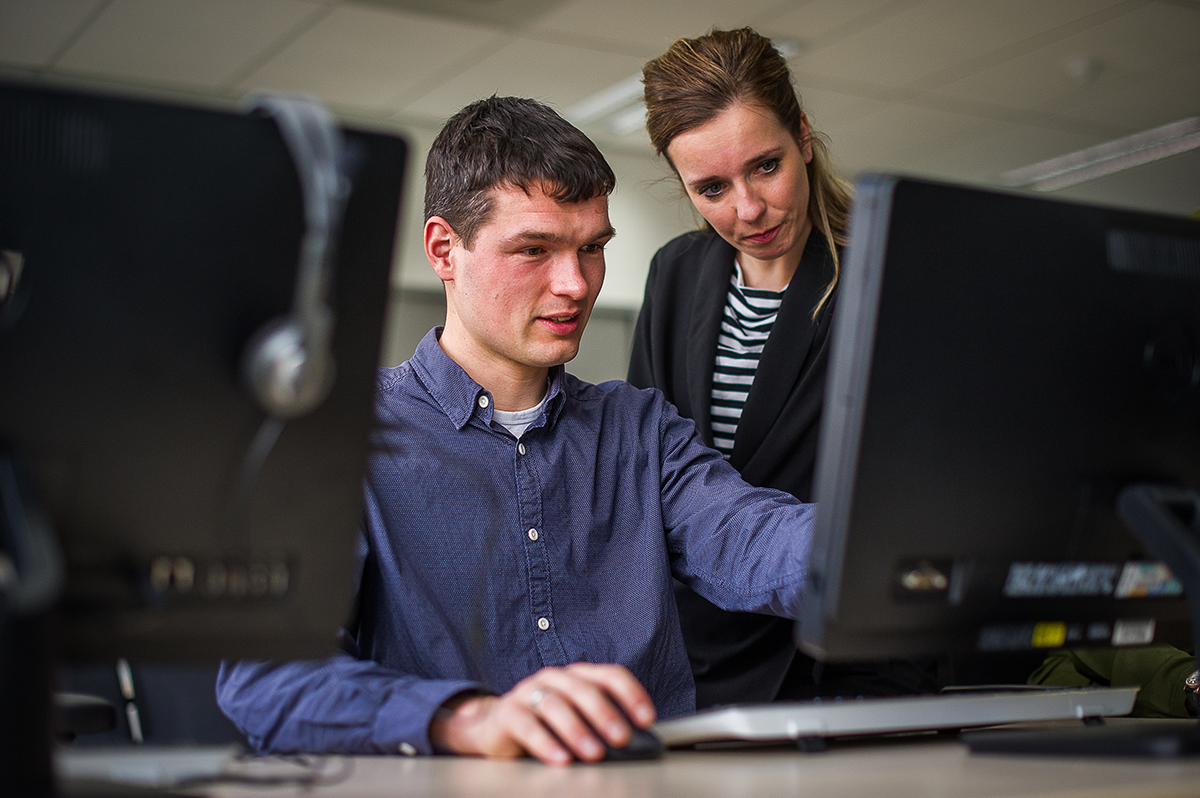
(125, 681)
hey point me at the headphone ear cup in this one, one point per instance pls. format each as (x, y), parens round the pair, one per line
(287, 375)
(288, 364)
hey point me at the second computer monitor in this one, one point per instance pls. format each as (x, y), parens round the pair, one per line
(1003, 367)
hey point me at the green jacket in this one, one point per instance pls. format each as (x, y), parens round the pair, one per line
(1159, 670)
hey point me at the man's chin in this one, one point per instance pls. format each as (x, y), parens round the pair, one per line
(558, 356)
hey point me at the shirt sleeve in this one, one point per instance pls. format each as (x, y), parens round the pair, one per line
(344, 704)
(339, 705)
(1159, 671)
(743, 548)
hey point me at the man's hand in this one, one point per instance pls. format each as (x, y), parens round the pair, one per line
(553, 715)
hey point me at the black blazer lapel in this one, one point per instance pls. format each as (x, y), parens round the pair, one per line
(712, 285)
(785, 353)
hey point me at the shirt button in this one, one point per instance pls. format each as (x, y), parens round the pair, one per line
(408, 749)
(521, 448)
(483, 401)
(543, 623)
(533, 535)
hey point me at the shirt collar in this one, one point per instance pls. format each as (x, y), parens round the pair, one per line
(458, 395)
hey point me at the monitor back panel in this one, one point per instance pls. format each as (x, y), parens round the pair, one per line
(153, 241)
(1002, 366)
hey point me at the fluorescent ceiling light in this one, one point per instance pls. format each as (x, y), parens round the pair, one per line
(629, 120)
(1104, 159)
(607, 101)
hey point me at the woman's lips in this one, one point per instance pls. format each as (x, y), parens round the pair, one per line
(764, 237)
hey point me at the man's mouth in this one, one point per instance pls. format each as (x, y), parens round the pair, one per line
(562, 325)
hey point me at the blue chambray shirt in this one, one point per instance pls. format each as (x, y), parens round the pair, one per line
(486, 558)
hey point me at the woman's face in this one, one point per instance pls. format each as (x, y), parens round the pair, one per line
(747, 176)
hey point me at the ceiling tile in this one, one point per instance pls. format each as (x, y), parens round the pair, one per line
(1131, 50)
(366, 58)
(32, 31)
(182, 42)
(653, 24)
(816, 20)
(890, 138)
(489, 13)
(1150, 99)
(824, 107)
(558, 74)
(994, 150)
(1002, 97)
(936, 36)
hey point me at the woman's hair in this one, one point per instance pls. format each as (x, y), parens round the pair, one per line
(695, 80)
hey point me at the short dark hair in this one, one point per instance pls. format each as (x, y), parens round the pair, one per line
(508, 141)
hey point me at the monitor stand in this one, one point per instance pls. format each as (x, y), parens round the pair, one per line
(31, 577)
(1167, 521)
(31, 580)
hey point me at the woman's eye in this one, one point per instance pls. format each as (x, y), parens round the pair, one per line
(710, 191)
(769, 165)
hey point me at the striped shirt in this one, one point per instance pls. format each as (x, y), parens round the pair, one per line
(749, 316)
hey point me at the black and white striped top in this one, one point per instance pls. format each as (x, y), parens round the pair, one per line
(749, 316)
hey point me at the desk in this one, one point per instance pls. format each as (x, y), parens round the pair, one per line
(925, 767)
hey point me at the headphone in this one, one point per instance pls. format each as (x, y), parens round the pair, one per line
(288, 363)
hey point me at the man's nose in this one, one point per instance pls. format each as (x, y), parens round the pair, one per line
(567, 277)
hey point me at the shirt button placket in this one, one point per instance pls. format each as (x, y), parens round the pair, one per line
(533, 529)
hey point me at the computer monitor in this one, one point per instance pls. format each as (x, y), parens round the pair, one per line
(156, 261)
(1004, 368)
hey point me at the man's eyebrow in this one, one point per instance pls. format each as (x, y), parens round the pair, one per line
(530, 236)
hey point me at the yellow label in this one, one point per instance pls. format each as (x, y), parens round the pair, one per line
(1049, 634)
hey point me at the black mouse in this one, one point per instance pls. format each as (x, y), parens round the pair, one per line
(643, 744)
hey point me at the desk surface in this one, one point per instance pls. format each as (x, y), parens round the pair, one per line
(927, 767)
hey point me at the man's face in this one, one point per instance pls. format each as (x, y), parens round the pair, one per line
(519, 299)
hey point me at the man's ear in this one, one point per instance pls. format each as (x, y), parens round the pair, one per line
(440, 240)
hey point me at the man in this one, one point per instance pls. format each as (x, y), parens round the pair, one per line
(521, 526)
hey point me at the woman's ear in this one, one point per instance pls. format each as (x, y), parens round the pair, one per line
(440, 240)
(806, 147)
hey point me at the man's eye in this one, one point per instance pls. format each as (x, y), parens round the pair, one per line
(532, 252)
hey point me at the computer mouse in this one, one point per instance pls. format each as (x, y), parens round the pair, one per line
(643, 744)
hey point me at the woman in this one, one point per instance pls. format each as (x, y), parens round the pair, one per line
(734, 327)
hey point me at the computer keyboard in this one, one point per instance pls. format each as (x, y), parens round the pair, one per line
(145, 766)
(958, 709)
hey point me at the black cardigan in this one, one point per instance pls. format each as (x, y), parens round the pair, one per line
(738, 657)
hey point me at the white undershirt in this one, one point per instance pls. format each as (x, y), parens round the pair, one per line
(517, 421)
